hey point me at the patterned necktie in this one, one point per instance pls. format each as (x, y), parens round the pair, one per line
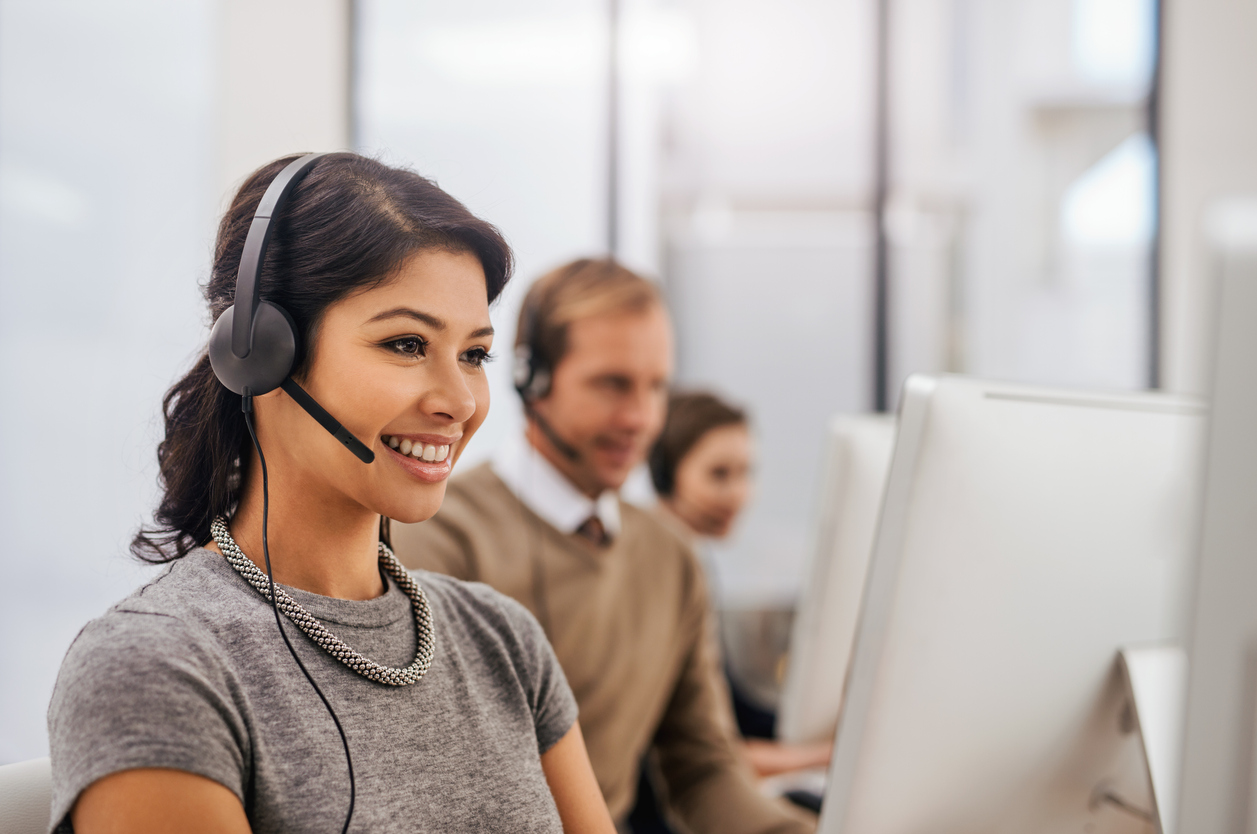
(593, 531)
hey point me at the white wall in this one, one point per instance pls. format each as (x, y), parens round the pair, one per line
(107, 218)
(1019, 246)
(766, 153)
(283, 82)
(1210, 153)
(772, 311)
(505, 106)
(1053, 183)
(122, 128)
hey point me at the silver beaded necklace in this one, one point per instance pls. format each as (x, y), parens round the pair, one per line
(317, 632)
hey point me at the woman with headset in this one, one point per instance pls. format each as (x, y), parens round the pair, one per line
(382, 699)
(701, 468)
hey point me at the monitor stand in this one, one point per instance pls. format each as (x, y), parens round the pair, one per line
(1155, 680)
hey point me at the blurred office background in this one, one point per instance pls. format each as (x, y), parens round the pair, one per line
(833, 193)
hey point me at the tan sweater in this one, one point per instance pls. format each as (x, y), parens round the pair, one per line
(631, 627)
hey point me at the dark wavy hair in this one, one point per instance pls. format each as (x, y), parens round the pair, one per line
(691, 414)
(349, 225)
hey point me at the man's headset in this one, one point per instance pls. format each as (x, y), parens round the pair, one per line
(252, 353)
(253, 345)
(534, 374)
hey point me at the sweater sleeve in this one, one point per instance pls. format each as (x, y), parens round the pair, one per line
(709, 786)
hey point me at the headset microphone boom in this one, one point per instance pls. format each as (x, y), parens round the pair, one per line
(252, 349)
(253, 345)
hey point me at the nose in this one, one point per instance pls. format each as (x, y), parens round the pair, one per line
(639, 407)
(449, 395)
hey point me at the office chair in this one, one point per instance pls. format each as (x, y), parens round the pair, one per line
(25, 797)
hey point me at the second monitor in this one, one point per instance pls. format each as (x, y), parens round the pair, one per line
(856, 462)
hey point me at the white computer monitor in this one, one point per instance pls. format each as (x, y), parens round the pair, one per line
(1219, 766)
(857, 459)
(1025, 535)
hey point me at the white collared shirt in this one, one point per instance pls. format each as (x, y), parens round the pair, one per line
(547, 491)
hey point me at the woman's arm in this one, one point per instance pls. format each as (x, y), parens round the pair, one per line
(575, 790)
(159, 800)
(768, 758)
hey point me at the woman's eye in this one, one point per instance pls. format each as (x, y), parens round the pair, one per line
(477, 357)
(409, 345)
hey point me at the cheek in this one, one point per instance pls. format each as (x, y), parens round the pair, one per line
(717, 491)
(696, 487)
(737, 500)
(479, 391)
(660, 416)
(479, 387)
(582, 412)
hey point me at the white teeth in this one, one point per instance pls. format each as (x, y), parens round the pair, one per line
(419, 451)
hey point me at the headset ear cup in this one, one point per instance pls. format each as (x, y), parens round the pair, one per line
(532, 379)
(540, 385)
(522, 371)
(271, 360)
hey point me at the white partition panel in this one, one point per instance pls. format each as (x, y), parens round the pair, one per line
(505, 105)
(107, 200)
(771, 311)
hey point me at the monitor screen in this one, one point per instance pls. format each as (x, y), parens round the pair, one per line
(857, 459)
(1219, 788)
(1025, 535)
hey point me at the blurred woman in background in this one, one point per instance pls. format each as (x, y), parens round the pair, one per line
(701, 466)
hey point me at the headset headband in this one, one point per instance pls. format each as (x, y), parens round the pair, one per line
(251, 259)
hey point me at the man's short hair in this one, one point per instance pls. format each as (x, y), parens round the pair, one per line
(579, 290)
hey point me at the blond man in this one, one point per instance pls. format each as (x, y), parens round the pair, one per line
(621, 597)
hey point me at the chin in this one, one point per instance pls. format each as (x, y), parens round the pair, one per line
(414, 512)
(612, 479)
(712, 528)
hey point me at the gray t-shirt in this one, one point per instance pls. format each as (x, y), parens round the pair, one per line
(190, 673)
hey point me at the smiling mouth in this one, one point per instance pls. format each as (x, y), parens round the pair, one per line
(426, 452)
(617, 451)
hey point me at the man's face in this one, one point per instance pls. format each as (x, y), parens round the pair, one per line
(608, 397)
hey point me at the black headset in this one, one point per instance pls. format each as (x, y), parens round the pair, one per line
(253, 354)
(534, 368)
(253, 345)
(533, 375)
(532, 371)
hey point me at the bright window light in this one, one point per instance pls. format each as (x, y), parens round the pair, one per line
(1114, 40)
(1112, 204)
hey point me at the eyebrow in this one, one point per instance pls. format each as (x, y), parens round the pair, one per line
(426, 318)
